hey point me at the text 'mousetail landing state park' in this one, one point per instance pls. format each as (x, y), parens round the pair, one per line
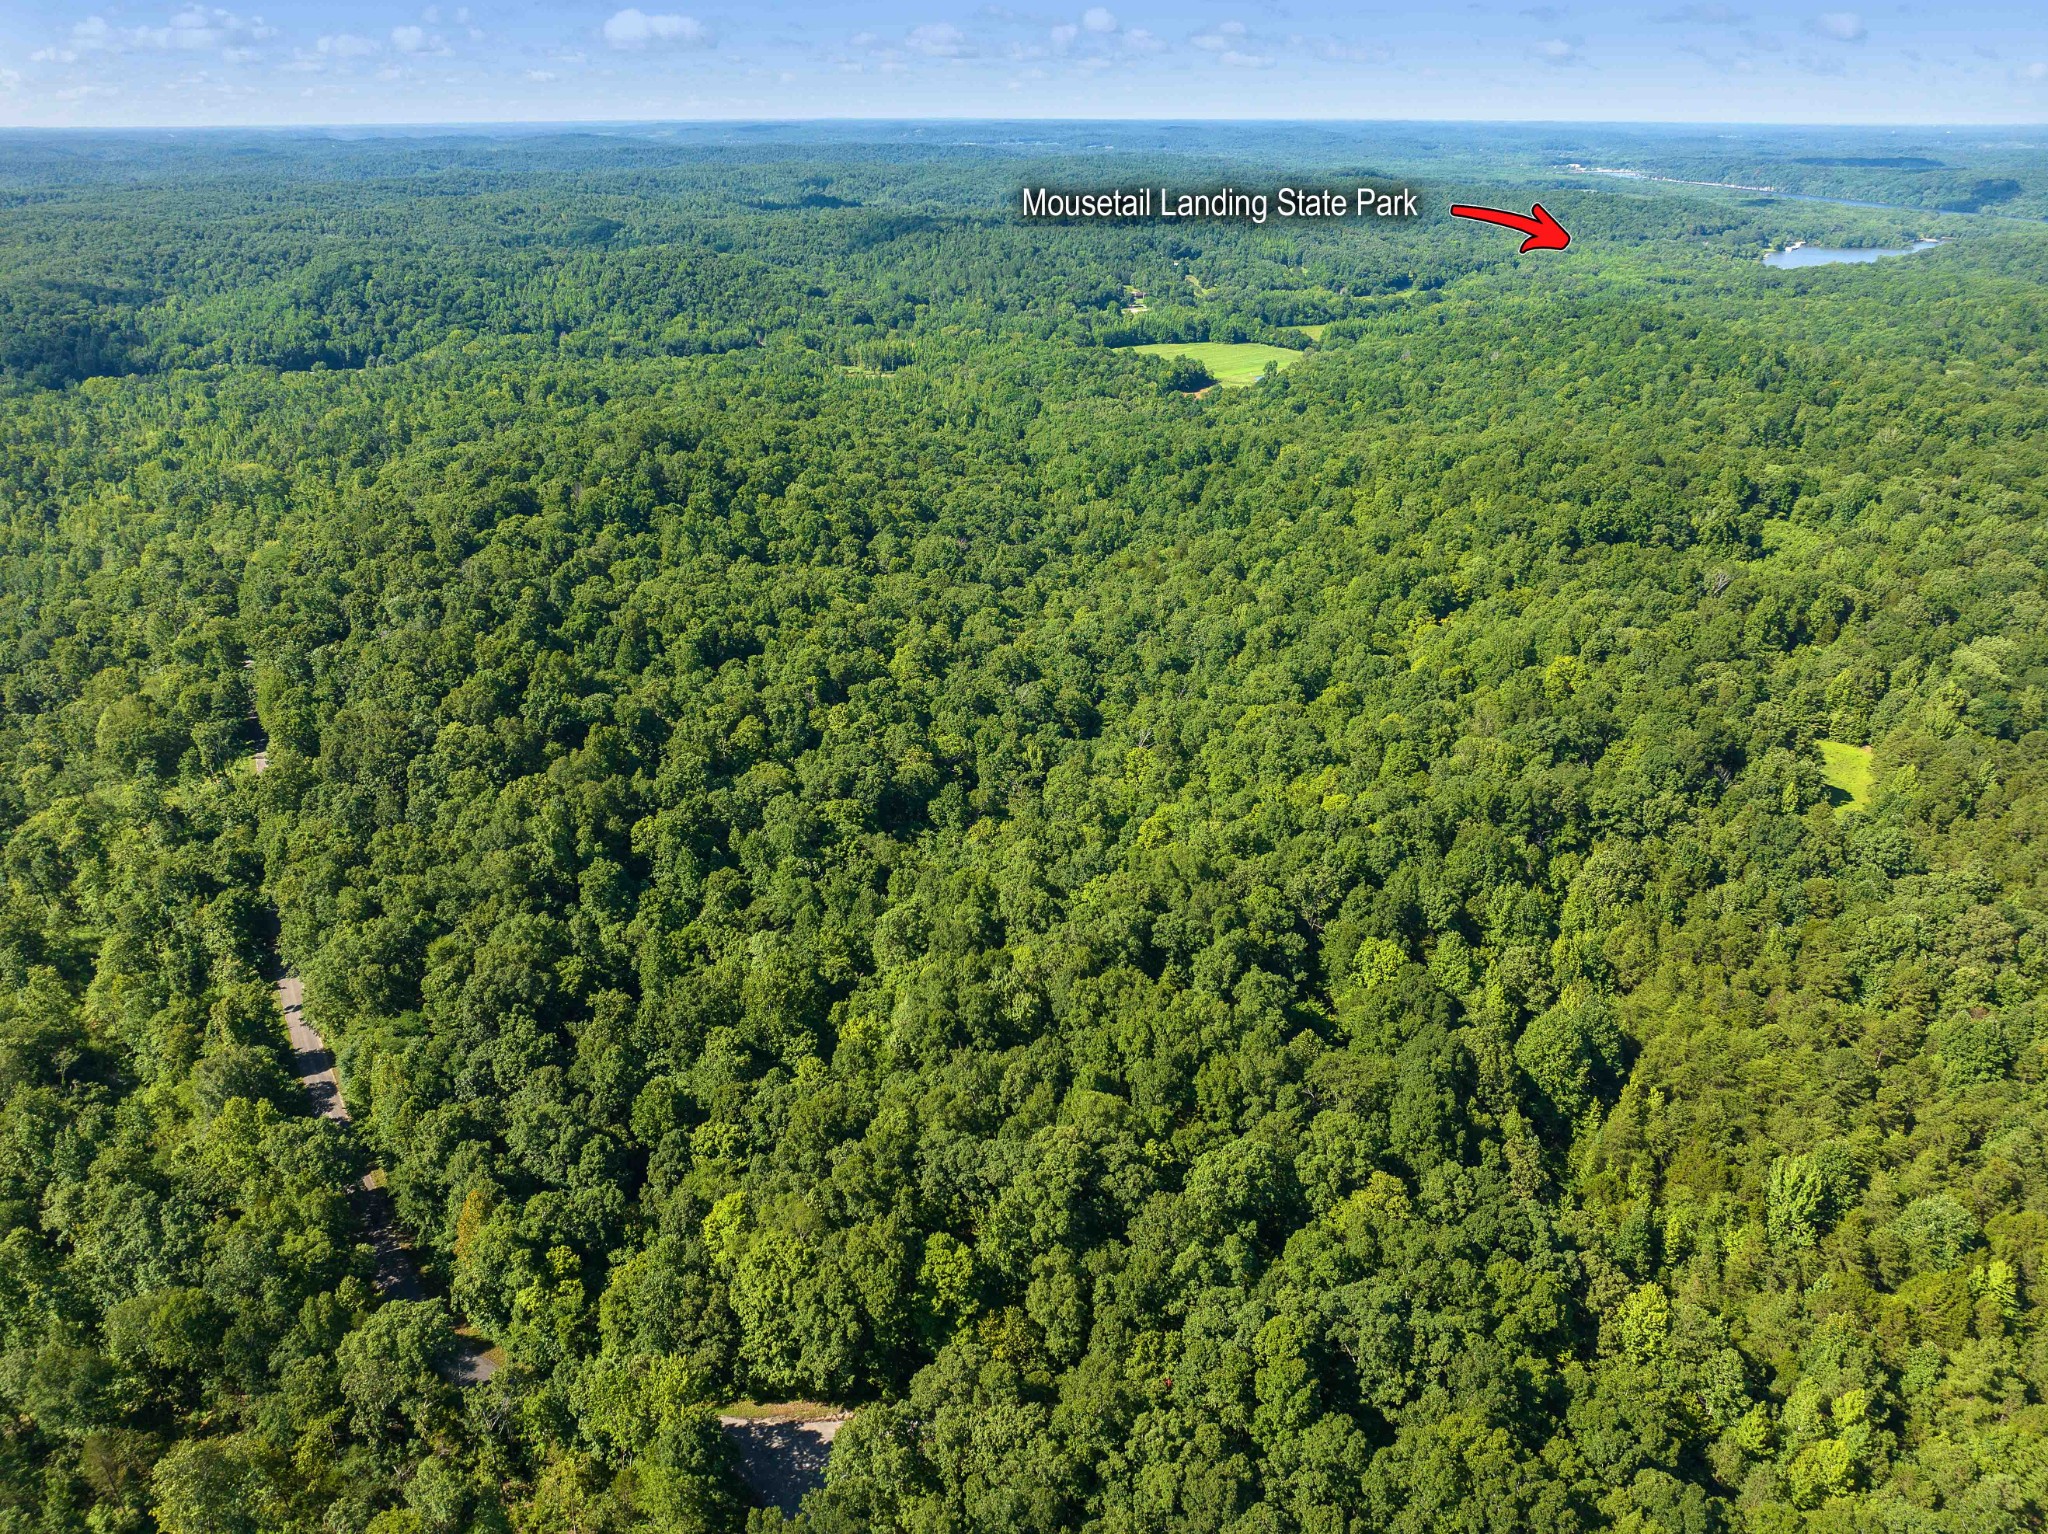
(1225, 202)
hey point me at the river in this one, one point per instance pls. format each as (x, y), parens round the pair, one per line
(1829, 255)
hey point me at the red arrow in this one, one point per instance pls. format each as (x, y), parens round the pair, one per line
(1545, 232)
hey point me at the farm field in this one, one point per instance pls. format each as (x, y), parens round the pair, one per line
(1233, 364)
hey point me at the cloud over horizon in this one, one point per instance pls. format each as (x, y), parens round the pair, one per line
(633, 28)
(114, 61)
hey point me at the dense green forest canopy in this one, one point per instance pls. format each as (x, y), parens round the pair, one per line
(1291, 959)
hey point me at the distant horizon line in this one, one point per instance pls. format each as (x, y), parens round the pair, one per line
(528, 125)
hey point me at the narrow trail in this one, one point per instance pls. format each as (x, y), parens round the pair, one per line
(397, 1274)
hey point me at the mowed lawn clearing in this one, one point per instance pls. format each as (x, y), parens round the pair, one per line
(1231, 363)
(1846, 769)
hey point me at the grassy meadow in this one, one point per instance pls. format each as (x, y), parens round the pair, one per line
(1231, 363)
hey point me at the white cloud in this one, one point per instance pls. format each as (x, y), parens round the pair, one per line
(1337, 51)
(1098, 40)
(347, 45)
(1222, 39)
(1555, 50)
(541, 76)
(939, 40)
(1238, 60)
(194, 29)
(633, 28)
(190, 30)
(2034, 73)
(418, 40)
(93, 34)
(1842, 26)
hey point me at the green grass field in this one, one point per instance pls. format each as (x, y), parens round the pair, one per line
(1847, 770)
(1230, 363)
(1313, 332)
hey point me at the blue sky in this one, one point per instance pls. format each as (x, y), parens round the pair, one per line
(109, 62)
